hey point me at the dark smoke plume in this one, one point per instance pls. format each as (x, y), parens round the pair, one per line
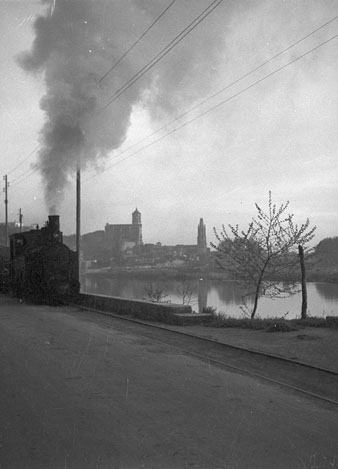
(76, 42)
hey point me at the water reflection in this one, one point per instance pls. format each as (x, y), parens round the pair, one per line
(328, 291)
(226, 297)
(203, 289)
(229, 292)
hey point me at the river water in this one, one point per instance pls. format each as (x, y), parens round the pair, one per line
(226, 297)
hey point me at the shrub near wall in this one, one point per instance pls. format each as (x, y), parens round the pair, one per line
(332, 321)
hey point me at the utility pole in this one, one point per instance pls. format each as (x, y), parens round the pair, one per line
(6, 208)
(20, 219)
(78, 217)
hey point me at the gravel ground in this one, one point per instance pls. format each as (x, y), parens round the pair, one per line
(310, 345)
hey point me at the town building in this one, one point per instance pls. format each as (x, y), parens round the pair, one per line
(122, 244)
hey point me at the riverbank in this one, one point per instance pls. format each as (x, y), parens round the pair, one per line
(144, 271)
(195, 272)
(223, 295)
(161, 273)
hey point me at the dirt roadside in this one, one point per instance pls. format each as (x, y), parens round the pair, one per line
(310, 345)
(315, 346)
(82, 390)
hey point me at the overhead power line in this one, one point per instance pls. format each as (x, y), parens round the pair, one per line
(100, 80)
(247, 74)
(24, 176)
(165, 51)
(24, 160)
(31, 171)
(156, 59)
(136, 42)
(229, 85)
(235, 95)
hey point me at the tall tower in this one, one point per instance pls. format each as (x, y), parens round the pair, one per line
(201, 240)
(137, 225)
(136, 217)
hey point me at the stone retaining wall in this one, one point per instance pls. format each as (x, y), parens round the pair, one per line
(162, 312)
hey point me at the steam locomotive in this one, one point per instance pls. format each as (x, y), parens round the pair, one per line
(42, 268)
(4, 269)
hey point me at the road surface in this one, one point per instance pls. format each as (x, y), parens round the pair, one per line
(77, 394)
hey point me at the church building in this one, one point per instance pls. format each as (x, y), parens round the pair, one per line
(120, 238)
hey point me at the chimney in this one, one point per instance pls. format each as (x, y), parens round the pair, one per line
(54, 223)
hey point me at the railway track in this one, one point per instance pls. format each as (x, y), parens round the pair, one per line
(298, 377)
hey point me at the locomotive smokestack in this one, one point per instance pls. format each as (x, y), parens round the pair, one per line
(54, 223)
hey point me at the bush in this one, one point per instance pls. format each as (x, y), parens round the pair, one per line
(257, 324)
(310, 322)
(220, 320)
(332, 321)
(210, 310)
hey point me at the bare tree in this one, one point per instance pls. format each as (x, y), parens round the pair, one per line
(155, 293)
(186, 292)
(261, 255)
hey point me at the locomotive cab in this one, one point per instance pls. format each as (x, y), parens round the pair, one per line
(43, 269)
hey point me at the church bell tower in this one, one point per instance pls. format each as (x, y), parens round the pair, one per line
(137, 225)
(136, 217)
(201, 241)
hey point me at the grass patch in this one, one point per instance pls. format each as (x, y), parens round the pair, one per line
(272, 324)
(281, 326)
(310, 322)
(219, 320)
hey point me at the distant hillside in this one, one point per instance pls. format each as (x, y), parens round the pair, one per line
(324, 265)
(326, 252)
(93, 247)
(70, 241)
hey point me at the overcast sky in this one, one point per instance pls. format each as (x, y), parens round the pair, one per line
(279, 135)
